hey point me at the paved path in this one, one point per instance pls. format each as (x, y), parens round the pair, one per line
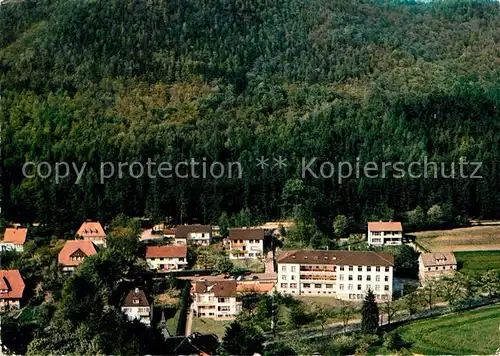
(416, 247)
(269, 262)
(189, 323)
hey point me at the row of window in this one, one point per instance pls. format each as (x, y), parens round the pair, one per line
(140, 310)
(368, 268)
(341, 268)
(167, 267)
(316, 285)
(386, 233)
(211, 299)
(387, 239)
(362, 296)
(368, 278)
(181, 259)
(249, 241)
(192, 235)
(359, 287)
(444, 267)
(292, 285)
(329, 286)
(350, 277)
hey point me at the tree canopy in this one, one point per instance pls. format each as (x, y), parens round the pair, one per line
(124, 81)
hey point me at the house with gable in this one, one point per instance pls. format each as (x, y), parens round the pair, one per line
(246, 243)
(11, 289)
(136, 307)
(74, 253)
(215, 299)
(14, 239)
(92, 231)
(436, 265)
(167, 258)
(385, 233)
(193, 234)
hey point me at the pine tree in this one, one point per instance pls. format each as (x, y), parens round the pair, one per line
(369, 314)
(241, 339)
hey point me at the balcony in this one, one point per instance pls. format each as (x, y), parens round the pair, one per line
(318, 277)
(206, 302)
(317, 272)
(206, 307)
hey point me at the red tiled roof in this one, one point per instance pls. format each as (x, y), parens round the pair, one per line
(385, 226)
(85, 246)
(438, 259)
(225, 288)
(181, 231)
(246, 234)
(337, 257)
(11, 281)
(15, 235)
(91, 229)
(255, 287)
(166, 251)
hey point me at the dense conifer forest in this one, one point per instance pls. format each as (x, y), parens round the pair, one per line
(96, 81)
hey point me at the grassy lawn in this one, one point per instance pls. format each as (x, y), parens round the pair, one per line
(210, 326)
(252, 265)
(478, 261)
(471, 332)
(330, 303)
(172, 324)
(327, 301)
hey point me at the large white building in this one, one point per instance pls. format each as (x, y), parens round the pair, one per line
(215, 299)
(13, 239)
(166, 258)
(193, 234)
(342, 274)
(385, 233)
(137, 307)
(246, 243)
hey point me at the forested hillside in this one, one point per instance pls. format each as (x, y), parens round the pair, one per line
(114, 80)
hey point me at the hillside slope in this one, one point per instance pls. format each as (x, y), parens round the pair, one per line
(94, 81)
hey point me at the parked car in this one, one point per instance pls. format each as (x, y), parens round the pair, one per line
(240, 278)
